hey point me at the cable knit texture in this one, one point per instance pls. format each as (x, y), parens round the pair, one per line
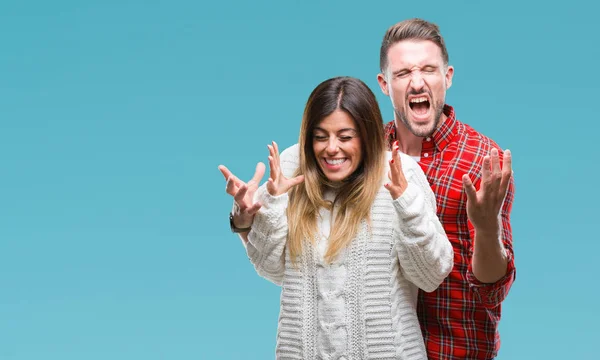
(363, 306)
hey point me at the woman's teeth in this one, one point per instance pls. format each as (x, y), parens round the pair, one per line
(334, 161)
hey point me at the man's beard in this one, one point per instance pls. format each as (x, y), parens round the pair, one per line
(438, 109)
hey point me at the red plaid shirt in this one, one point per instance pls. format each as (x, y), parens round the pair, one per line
(460, 319)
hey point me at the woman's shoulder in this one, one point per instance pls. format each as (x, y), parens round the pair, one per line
(290, 160)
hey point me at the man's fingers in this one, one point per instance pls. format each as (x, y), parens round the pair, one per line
(506, 171)
(469, 188)
(495, 161)
(507, 163)
(486, 172)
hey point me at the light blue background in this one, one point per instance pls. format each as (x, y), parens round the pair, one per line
(114, 115)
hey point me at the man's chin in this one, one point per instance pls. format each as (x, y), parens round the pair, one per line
(422, 129)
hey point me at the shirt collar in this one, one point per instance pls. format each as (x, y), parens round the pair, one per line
(441, 136)
(447, 129)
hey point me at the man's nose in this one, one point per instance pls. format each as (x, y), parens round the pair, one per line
(416, 81)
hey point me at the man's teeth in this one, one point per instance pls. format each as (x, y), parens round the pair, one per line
(334, 161)
(418, 100)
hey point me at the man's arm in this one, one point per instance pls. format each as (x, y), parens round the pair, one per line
(492, 271)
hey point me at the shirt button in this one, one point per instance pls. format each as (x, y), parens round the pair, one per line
(426, 155)
(428, 139)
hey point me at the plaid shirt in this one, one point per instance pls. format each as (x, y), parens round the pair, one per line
(460, 319)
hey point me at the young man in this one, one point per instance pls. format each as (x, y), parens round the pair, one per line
(474, 194)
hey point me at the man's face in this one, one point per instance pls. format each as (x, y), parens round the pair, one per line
(416, 81)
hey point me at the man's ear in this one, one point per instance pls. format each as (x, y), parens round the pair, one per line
(449, 75)
(383, 84)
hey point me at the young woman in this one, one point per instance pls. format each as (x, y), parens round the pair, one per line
(348, 230)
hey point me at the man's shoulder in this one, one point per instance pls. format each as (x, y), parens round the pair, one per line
(469, 136)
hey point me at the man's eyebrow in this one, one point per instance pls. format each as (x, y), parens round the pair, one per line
(396, 72)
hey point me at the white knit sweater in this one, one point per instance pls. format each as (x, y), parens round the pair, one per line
(363, 306)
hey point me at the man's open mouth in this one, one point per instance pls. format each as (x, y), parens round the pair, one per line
(419, 105)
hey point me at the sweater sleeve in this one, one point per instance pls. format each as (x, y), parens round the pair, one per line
(267, 238)
(426, 255)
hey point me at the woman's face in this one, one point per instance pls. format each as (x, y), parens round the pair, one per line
(337, 147)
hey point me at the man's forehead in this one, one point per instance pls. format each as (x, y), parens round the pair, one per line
(414, 53)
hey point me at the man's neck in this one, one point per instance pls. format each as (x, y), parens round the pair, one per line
(409, 143)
